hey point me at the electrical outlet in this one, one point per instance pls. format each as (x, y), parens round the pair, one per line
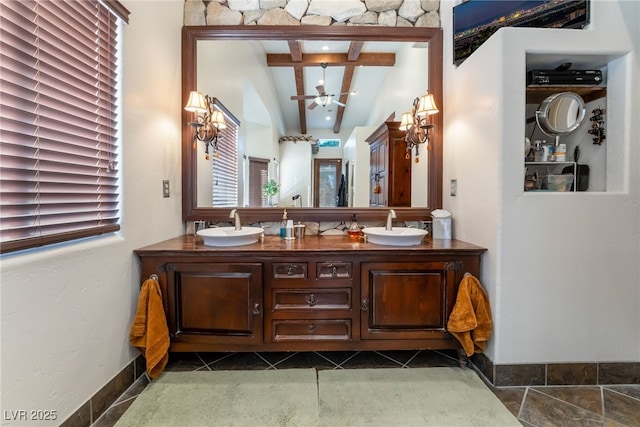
(165, 188)
(454, 187)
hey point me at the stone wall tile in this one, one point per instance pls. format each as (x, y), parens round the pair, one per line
(222, 15)
(430, 5)
(383, 5)
(401, 22)
(340, 11)
(429, 19)
(194, 12)
(277, 16)
(366, 18)
(272, 4)
(252, 16)
(387, 18)
(316, 20)
(297, 8)
(411, 10)
(242, 5)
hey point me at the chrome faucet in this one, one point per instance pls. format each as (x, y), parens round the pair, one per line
(390, 216)
(236, 217)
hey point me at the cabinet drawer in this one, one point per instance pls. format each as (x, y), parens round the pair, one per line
(311, 299)
(290, 270)
(334, 270)
(311, 330)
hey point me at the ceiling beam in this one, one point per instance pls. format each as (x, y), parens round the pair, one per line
(347, 78)
(368, 59)
(354, 50)
(296, 50)
(302, 112)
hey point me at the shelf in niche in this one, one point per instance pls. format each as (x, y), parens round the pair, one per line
(538, 93)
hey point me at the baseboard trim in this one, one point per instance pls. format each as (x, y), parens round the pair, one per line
(555, 374)
(93, 408)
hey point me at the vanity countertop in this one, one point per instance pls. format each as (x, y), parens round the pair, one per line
(314, 243)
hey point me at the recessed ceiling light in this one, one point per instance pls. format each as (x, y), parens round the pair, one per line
(328, 118)
(325, 47)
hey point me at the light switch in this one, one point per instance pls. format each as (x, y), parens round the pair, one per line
(165, 188)
(454, 187)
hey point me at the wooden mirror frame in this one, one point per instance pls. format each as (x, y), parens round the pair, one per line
(191, 36)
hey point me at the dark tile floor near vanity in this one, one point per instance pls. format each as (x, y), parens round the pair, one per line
(610, 405)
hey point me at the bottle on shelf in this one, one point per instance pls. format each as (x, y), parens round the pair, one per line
(283, 225)
(354, 231)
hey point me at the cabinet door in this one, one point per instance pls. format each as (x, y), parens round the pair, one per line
(406, 300)
(215, 303)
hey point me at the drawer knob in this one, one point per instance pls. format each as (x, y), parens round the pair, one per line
(290, 270)
(334, 271)
(256, 309)
(312, 328)
(311, 299)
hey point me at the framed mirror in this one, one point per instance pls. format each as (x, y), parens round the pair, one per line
(560, 113)
(431, 38)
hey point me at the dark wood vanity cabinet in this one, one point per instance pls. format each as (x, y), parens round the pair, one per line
(390, 170)
(407, 300)
(316, 294)
(214, 303)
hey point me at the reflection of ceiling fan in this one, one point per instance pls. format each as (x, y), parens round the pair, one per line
(322, 98)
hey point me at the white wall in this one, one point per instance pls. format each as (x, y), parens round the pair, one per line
(66, 310)
(561, 269)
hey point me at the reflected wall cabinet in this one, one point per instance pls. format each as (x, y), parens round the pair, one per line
(390, 172)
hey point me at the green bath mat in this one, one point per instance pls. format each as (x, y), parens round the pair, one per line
(287, 397)
(409, 397)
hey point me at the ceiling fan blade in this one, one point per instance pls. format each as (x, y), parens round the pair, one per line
(294, 97)
(313, 105)
(339, 103)
(321, 90)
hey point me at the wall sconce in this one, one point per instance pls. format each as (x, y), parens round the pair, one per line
(208, 122)
(416, 123)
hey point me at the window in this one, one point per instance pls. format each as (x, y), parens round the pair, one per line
(328, 143)
(58, 132)
(224, 164)
(258, 177)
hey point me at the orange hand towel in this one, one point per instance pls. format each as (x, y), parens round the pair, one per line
(149, 330)
(470, 321)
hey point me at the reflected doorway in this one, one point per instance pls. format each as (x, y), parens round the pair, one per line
(328, 185)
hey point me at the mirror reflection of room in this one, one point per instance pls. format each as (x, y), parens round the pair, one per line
(276, 143)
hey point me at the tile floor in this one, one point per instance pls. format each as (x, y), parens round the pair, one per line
(608, 406)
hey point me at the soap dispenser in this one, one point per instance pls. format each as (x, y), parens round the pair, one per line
(283, 225)
(354, 231)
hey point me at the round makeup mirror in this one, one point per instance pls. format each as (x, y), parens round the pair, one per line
(560, 113)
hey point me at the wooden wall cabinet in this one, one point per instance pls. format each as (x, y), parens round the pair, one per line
(316, 294)
(390, 170)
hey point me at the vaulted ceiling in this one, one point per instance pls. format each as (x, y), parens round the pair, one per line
(355, 73)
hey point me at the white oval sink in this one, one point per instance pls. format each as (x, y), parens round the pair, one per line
(229, 236)
(397, 236)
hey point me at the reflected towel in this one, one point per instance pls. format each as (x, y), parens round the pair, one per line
(470, 321)
(149, 331)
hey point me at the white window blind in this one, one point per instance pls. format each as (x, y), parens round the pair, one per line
(58, 127)
(225, 164)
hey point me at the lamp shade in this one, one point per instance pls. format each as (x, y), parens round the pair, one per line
(217, 119)
(426, 106)
(406, 121)
(196, 103)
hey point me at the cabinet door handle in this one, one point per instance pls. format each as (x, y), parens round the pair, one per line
(364, 305)
(312, 328)
(256, 308)
(311, 299)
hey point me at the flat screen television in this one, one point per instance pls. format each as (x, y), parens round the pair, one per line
(474, 21)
